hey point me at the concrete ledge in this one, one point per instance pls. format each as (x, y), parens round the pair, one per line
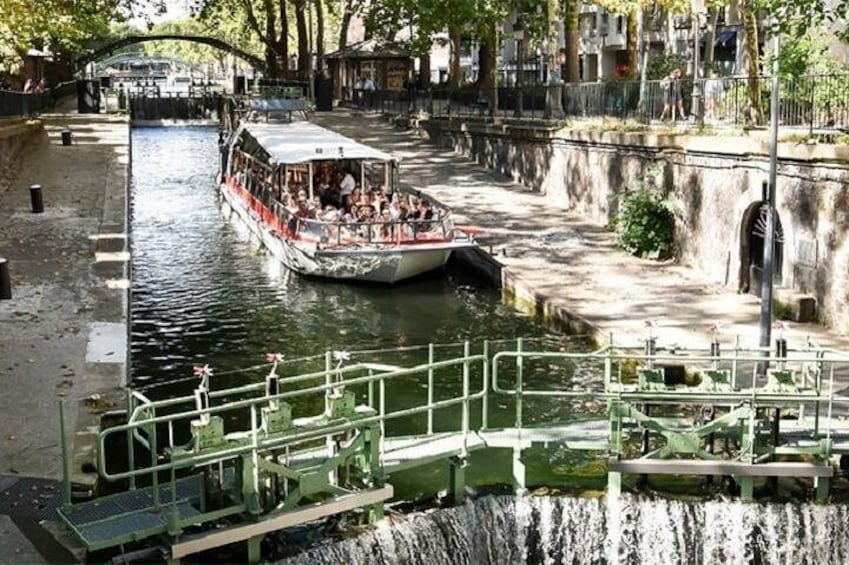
(523, 297)
(210, 540)
(733, 468)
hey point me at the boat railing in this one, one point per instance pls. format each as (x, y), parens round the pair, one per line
(339, 233)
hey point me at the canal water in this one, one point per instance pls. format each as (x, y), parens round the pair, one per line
(202, 295)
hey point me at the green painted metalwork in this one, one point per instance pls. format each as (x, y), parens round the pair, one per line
(281, 462)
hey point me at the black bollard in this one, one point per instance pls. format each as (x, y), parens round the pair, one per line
(5, 280)
(66, 137)
(35, 199)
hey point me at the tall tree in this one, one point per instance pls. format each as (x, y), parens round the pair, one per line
(266, 20)
(303, 38)
(749, 17)
(319, 35)
(571, 21)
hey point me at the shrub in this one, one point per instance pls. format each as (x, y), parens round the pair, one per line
(645, 223)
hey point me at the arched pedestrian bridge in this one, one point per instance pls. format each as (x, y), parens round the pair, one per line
(109, 48)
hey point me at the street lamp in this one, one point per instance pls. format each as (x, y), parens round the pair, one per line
(769, 238)
(518, 37)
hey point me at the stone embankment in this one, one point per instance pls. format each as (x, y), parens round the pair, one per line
(63, 334)
(563, 266)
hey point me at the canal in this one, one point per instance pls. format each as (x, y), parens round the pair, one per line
(202, 295)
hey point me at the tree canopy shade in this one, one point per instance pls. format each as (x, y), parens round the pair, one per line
(62, 26)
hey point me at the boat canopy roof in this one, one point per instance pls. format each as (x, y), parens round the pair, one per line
(301, 142)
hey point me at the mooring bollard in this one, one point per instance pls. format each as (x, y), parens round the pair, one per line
(66, 137)
(5, 280)
(35, 199)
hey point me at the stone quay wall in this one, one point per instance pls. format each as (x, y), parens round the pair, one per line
(14, 134)
(715, 184)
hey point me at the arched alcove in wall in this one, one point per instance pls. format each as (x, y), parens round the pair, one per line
(752, 237)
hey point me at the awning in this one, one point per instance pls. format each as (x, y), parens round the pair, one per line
(724, 37)
(301, 142)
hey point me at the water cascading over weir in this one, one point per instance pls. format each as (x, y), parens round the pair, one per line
(549, 530)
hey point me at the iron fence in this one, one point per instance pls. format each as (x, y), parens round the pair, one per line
(14, 104)
(814, 102)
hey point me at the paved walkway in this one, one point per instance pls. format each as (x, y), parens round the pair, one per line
(564, 262)
(52, 330)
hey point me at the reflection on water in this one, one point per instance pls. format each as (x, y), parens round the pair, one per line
(201, 294)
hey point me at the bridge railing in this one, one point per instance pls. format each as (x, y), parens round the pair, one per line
(147, 418)
(800, 381)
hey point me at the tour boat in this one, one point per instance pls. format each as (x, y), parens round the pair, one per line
(269, 171)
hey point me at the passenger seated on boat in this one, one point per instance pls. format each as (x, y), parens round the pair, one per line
(356, 195)
(394, 208)
(290, 203)
(387, 227)
(423, 216)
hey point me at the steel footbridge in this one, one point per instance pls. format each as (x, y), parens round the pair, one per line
(293, 441)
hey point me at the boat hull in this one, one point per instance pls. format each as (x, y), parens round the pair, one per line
(382, 265)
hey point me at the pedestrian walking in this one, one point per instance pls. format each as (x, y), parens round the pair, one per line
(672, 98)
(368, 90)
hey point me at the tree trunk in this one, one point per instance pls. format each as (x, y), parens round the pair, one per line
(303, 39)
(669, 28)
(272, 68)
(487, 68)
(454, 64)
(554, 80)
(642, 109)
(283, 40)
(319, 35)
(634, 32)
(424, 71)
(485, 63)
(494, 47)
(748, 12)
(572, 29)
(710, 40)
(345, 23)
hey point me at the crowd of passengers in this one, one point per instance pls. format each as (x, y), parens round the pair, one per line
(368, 211)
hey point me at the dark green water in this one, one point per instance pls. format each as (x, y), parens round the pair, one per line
(202, 295)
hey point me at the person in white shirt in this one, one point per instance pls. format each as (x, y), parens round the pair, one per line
(347, 185)
(368, 91)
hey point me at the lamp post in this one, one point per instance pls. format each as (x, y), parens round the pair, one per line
(519, 37)
(769, 236)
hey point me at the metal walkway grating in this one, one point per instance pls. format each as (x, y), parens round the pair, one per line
(130, 515)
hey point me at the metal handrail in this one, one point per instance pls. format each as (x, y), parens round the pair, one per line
(292, 438)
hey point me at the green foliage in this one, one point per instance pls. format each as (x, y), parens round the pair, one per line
(56, 25)
(645, 224)
(796, 18)
(800, 56)
(659, 66)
